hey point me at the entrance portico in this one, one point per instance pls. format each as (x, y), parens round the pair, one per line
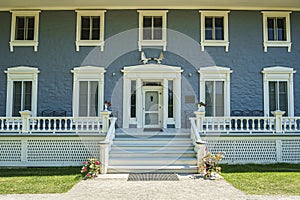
(152, 96)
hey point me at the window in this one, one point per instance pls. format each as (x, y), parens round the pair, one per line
(215, 90)
(276, 27)
(152, 28)
(214, 29)
(24, 29)
(214, 98)
(21, 90)
(278, 90)
(90, 28)
(88, 91)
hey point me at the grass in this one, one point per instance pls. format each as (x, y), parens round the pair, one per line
(38, 180)
(274, 179)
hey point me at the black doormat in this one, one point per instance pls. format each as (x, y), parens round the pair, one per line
(153, 130)
(152, 177)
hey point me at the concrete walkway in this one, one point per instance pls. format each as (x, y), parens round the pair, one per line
(112, 186)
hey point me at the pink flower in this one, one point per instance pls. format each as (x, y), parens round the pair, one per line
(84, 163)
(88, 175)
(97, 163)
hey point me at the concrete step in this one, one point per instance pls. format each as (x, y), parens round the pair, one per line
(189, 169)
(162, 153)
(154, 147)
(151, 161)
(152, 142)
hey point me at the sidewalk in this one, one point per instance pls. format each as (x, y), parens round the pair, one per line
(112, 186)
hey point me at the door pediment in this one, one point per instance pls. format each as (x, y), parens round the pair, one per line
(152, 68)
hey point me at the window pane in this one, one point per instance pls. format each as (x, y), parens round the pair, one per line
(208, 28)
(20, 28)
(96, 22)
(147, 28)
(17, 93)
(157, 28)
(30, 34)
(283, 97)
(96, 34)
(170, 100)
(272, 96)
(209, 88)
(27, 95)
(30, 22)
(93, 98)
(133, 100)
(271, 33)
(85, 28)
(281, 29)
(83, 98)
(219, 89)
(96, 28)
(219, 28)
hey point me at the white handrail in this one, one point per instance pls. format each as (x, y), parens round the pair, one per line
(195, 133)
(111, 132)
(10, 124)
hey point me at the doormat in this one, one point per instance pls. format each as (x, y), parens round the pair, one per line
(153, 130)
(152, 177)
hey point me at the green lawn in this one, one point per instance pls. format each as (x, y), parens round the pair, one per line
(275, 179)
(38, 180)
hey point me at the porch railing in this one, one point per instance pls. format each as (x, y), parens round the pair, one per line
(28, 124)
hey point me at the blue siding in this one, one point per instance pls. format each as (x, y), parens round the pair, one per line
(56, 55)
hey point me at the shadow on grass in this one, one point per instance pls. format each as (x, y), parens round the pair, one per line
(278, 167)
(38, 171)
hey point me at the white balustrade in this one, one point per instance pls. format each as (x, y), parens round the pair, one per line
(11, 124)
(291, 124)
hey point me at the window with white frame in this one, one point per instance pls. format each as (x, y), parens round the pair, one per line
(88, 91)
(24, 29)
(276, 30)
(90, 28)
(214, 29)
(278, 90)
(152, 28)
(21, 90)
(215, 90)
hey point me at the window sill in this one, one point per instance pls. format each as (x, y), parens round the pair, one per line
(215, 43)
(277, 44)
(152, 43)
(23, 43)
(89, 43)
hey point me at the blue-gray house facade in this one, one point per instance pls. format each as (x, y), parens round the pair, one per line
(244, 55)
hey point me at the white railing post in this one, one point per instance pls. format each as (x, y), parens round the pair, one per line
(200, 150)
(104, 153)
(105, 120)
(199, 117)
(25, 120)
(278, 120)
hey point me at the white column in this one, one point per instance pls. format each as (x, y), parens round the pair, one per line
(278, 120)
(101, 93)
(291, 97)
(139, 103)
(227, 93)
(177, 102)
(25, 120)
(126, 102)
(105, 120)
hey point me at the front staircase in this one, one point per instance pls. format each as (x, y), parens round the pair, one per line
(168, 152)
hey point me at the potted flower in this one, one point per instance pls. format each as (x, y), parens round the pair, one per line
(91, 168)
(201, 106)
(209, 165)
(107, 105)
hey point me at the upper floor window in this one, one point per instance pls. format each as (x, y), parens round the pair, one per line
(214, 29)
(215, 90)
(21, 90)
(24, 29)
(276, 27)
(88, 91)
(278, 90)
(152, 28)
(90, 28)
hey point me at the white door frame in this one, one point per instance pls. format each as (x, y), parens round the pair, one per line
(157, 89)
(151, 72)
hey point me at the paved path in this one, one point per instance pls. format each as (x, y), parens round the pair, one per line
(108, 187)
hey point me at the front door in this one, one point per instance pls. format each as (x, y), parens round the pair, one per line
(152, 108)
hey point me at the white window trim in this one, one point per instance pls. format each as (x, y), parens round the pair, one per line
(13, 42)
(163, 42)
(278, 73)
(216, 73)
(268, 43)
(21, 73)
(214, 43)
(87, 73)
(79, 42)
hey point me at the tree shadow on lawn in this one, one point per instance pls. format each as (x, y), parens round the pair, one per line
(278, 167)
(38, 171)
